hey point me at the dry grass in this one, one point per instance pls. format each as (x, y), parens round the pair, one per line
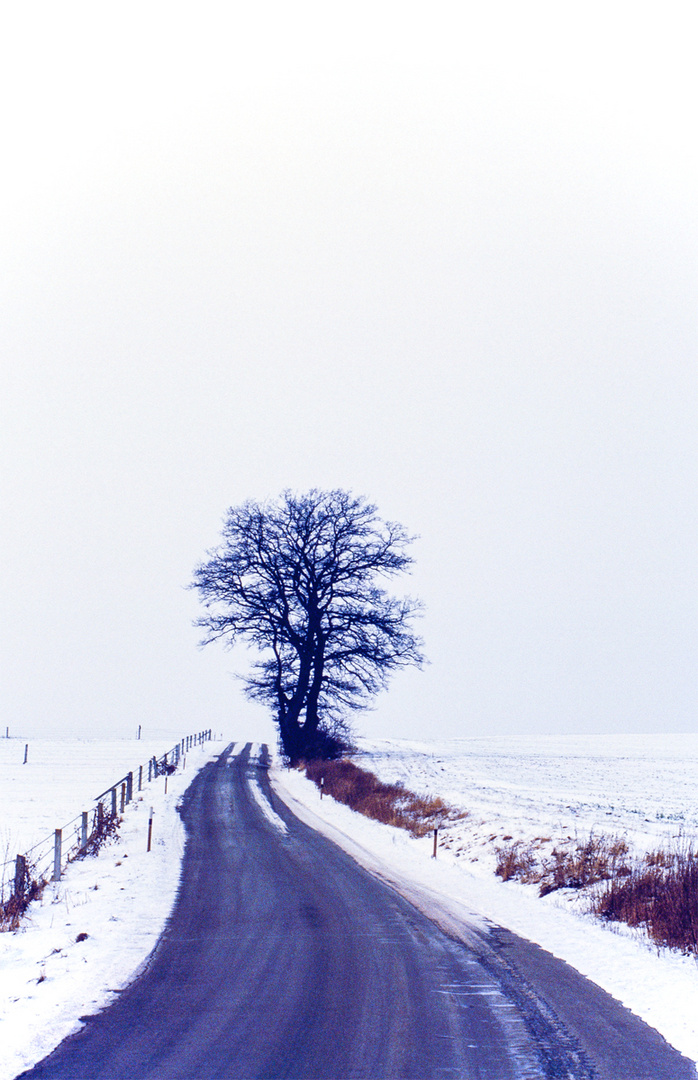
(660, 894)
(11, 910)
(391, 804)
(575, 866)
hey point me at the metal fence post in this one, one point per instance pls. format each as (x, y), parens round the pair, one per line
(57, 852)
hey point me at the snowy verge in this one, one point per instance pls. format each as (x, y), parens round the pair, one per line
(660, 987)
(120, 899)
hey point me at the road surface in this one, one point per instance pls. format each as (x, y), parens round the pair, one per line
(283, 958)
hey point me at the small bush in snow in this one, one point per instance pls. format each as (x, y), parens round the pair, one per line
(391, 804)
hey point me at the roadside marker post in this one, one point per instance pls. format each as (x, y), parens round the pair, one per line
(436, 840)
(150, 828)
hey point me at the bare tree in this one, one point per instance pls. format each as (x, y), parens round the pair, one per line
(300, 579)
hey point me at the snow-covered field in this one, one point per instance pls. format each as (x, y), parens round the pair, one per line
(120, 898)
(642, 788)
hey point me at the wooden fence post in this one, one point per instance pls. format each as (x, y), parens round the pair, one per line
(20, 876)
(129, 787)
(100, 818)
(57, 853)
(123, 799)
(26, 752)
(140, 777)
(83, 831)
(113, 802)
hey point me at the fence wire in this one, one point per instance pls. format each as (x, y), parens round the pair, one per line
(40, 858)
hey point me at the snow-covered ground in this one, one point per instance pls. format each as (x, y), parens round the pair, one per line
(120, 898)
(642, 788)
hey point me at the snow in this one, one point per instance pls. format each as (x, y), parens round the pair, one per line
(120, 898)
(269, 813)
(641, 788)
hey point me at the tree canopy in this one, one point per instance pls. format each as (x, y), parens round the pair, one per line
(301, 579)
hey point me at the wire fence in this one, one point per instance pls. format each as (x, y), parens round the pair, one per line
(23, 877)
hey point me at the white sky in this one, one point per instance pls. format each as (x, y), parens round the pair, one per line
(443, 255)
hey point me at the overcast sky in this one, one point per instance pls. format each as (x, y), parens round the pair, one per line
(443, 255)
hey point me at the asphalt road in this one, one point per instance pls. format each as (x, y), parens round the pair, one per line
(283, 958)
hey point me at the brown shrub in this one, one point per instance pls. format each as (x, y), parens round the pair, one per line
(516, 862)
(661, 895)
(391, 804)
(586, 863)
(11, 910)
